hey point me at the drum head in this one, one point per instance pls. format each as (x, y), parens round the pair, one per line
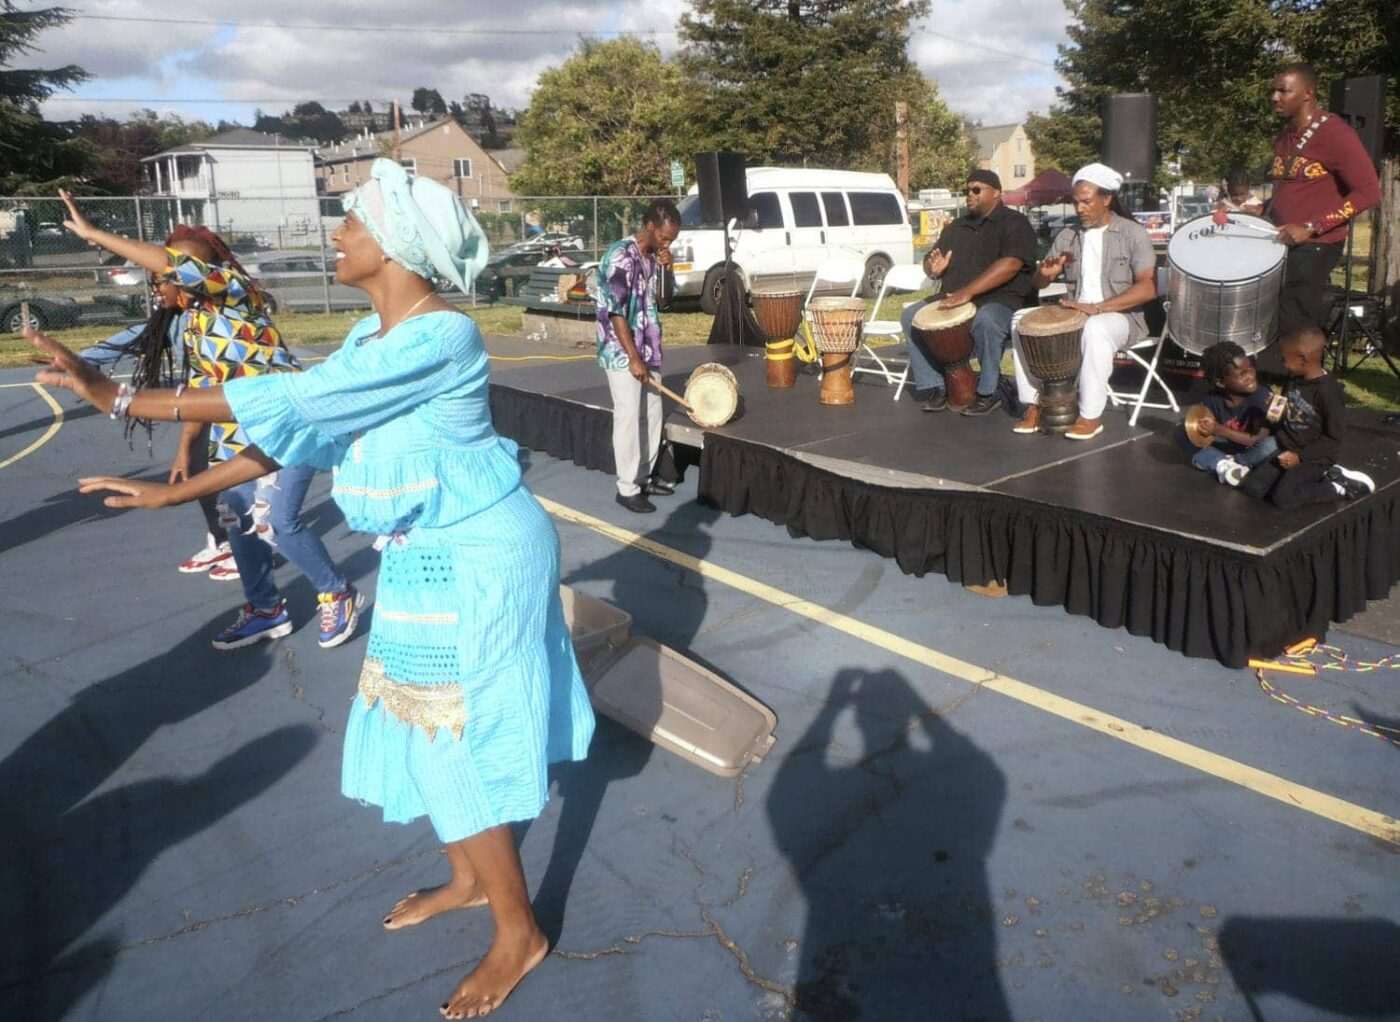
(1239, 250)
(931, 317)
(1049, 320)
(713, 395)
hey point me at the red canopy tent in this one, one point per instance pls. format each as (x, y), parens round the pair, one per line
(1044, 189)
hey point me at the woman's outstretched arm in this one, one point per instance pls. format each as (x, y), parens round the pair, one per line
(247, 465)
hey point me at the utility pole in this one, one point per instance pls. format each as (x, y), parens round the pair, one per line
(397, 154)
(901, 136)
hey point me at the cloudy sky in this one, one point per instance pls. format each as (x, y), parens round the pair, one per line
(992, 60)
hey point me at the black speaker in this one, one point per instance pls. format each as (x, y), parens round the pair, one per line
(1130, 135)
(1361, 103)
(724, 189)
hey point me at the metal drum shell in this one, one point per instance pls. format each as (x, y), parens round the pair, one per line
(1232, 306)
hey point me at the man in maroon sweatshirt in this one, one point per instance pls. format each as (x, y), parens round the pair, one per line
(1323, 177)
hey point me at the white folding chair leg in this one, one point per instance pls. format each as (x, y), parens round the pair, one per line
(1150, 376)
(881, 368)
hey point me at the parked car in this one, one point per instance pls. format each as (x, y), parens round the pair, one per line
(507, 269)
(59, 313)
(296, 280)
(799, 219)
(125, 274)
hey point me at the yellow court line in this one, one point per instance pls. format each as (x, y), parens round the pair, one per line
(54, 426)
(1348, 814)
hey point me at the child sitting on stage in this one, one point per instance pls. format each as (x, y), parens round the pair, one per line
(1309, 433)
(1238, 406)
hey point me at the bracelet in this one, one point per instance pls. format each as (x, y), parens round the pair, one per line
(178, 391)
(122, 402)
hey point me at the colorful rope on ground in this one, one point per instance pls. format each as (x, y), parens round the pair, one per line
(1309, 657)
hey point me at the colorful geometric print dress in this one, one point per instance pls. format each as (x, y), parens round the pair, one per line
(470, 687)
(228, 335)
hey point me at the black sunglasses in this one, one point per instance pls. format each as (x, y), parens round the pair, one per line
(976, 191)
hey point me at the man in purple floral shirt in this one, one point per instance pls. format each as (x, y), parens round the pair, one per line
(629, 349)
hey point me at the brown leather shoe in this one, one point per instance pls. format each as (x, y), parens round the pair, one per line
(1085, 429)
(1030, 422)
(993, 590)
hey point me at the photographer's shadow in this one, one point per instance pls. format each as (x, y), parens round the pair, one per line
(889, 850)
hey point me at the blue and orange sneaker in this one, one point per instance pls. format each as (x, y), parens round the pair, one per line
(340, 612)
(254, 626)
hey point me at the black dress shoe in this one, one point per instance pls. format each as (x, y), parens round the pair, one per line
(983, 404)
(659, 488)
(937, 402)
(637, 503)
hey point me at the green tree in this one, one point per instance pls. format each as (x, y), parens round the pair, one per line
(35, 155)
(1211, 62)
(941, 151)
(798, 81)
(428, 101)
(121, 145)
(607, 121)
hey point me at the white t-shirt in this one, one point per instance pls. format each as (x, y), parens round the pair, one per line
(1091, 266)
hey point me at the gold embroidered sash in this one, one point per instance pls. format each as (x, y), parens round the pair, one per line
(430, 707)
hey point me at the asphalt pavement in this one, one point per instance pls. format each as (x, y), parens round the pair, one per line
(975, 809)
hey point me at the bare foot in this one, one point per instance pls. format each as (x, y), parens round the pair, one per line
(421, 906)
(490, 983)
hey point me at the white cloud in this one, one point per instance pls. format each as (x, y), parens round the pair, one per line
(450, 50)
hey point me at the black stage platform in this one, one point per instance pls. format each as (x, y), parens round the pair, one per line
(1120, 528)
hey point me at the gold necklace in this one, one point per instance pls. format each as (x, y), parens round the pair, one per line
(384, 330)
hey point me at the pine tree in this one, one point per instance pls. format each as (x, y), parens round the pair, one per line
(35, 155)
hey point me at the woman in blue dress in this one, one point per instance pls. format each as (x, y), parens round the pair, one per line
(469, 687)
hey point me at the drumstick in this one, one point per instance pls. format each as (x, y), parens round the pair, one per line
(671, 394)
(1221, 219)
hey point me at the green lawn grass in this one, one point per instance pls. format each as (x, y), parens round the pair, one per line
(1372, 386)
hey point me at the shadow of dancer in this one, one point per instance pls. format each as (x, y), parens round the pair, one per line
(663, 608)
(74, 867)
(1346, 967)
(71, 755)
(888, 848)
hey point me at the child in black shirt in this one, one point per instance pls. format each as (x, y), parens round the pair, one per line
(1309, 434)
(1238, 407)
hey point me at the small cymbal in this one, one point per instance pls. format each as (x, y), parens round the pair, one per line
(1195, 416)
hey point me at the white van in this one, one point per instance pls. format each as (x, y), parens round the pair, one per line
(800, 218)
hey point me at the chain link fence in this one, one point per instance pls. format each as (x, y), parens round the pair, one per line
(283, 241)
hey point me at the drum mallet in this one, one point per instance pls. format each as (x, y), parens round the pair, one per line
(1222, 219)
(662, 388)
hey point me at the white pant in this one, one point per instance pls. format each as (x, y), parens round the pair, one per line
(634, 424)
(1104, 336)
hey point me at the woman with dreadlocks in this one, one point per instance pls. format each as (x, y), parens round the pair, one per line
(228, 335)
(152, 345)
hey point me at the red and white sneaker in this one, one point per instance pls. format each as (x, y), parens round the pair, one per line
(227, 571)
(211, 556)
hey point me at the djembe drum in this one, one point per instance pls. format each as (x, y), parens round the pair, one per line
(946, 334)
(779, 316)
(713, 395)
(1050, 345)
(836, 328)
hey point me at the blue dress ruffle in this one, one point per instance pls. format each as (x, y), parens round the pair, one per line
(468, 592)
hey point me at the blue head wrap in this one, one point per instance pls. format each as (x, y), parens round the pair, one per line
(420, 224)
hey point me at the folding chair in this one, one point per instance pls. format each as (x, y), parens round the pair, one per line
(899, 280)
(1150, 376)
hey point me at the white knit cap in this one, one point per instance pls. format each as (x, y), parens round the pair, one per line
(1099, 174)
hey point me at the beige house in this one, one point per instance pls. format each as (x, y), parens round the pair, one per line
(439, 149)
(1005, 149)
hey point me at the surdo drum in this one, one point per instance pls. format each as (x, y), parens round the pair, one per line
(946, 334)
(1224, 282)
(1050, 344)
(779, 316)
(836, 328)
(713, 395)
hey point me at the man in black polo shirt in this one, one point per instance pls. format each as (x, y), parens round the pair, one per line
(986, 257)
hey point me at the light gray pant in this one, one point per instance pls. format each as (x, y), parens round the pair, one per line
(636, 431)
